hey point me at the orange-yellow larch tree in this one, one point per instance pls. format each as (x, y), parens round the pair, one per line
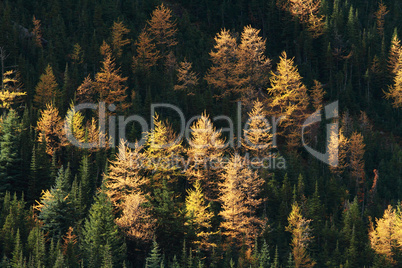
(50, 129)
(382, 236)
(252, 66)
(289, 99)
(394, 54)
(307, 12)
(125, 186)
(300, 229)
(85, 92)
(257, 136)
(187, 79)
(37, 32)
(395, 91)
(162, 29)
(47, 90)
(199, 215)
(380, 17)
(222, 75)
(162, 152)
(147, 55)
(239, 195)
(118, 40)
(356, 154)
(11, 90)
(109, 84)
(205, 151)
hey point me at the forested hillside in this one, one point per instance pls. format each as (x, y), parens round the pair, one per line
(189, 133)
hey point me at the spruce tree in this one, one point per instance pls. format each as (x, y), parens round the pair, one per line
(56, 208)
(154, 259)
(10, 159)
(100, 230)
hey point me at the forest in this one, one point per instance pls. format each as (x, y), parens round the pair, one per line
(201, 133)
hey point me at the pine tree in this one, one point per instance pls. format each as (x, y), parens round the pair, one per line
(154, 259)
(18, 260)
(55, 208)
(100, 230)
(47, 90)
(169, 226)
(107, 261)
(86, 180)
(37, 247)
(264, 258)
(10, 159)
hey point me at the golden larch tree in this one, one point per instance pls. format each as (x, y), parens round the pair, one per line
(162, 29)
(119, 30)
(289, 99)
(380, 17)
(337, 151)
(74, 125)
(205, 151)
(11, 90)
(124, 182)
(317, 95)
(47, 90)
(37, 32)
(50, 129)
(199, 215)
(222, 74)
(257, 136)
(239, 195)
(395, 91)
(78, 54)
(300, 229)
(356, 154)
(147, 55)
(394, 55)
(252, 66)
(307, 12)
(382, 236)
(109, 84)
(85, 92)
(187, 79)
(162, 151)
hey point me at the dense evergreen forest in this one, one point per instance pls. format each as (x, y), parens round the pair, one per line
(241, 187)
